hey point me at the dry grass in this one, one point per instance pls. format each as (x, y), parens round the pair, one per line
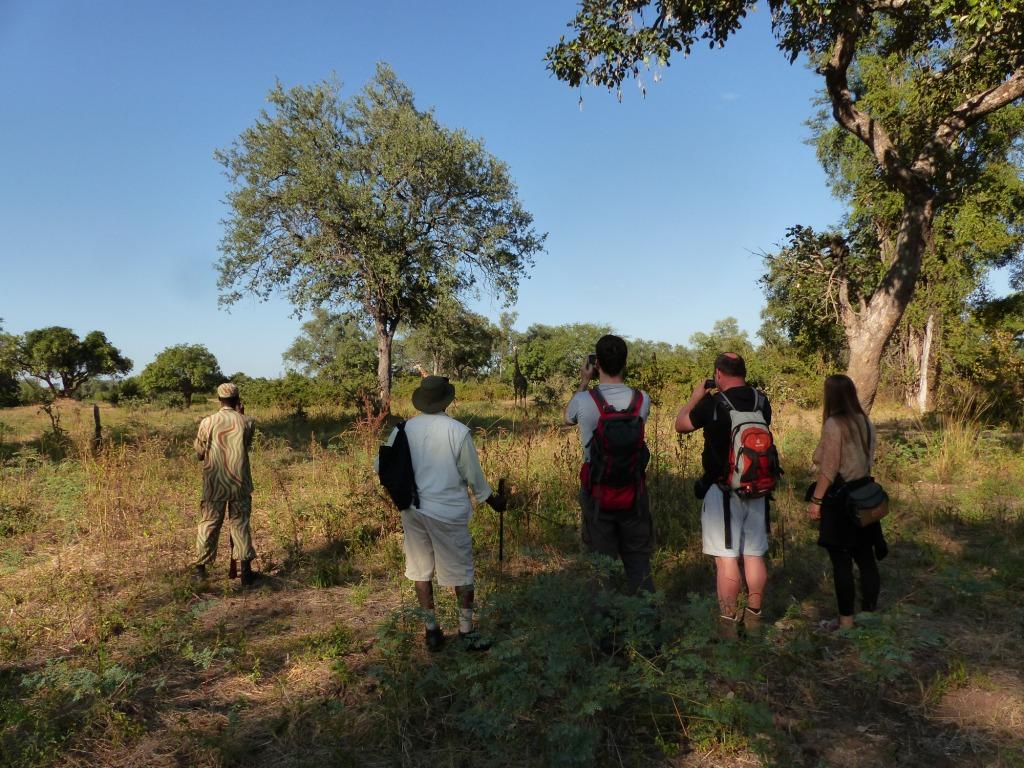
(308, 670)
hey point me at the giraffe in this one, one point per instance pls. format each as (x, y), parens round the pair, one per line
(418, 367)
(519, 382)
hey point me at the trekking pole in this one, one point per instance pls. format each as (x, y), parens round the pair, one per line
(233, 568)
(782, 537)
(501, 525)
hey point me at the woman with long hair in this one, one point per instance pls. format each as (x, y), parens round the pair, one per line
(843, 456)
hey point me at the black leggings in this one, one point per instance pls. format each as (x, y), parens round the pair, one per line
(842, 572)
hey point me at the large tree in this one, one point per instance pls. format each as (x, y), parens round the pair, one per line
(63, 361)
(183, 368)
(817, 284)
(966, 57)
(369, 203)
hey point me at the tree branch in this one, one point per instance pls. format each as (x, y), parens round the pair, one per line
(967, 114)
(860, 124)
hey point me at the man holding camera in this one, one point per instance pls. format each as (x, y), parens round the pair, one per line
(746, 539)
(613, 494)
(222, 444)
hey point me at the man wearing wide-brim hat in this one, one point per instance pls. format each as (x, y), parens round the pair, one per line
(436, 528)
(222, 444)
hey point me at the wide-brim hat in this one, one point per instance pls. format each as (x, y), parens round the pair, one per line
(434, 394)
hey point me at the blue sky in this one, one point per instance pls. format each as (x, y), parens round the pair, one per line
(110, 200)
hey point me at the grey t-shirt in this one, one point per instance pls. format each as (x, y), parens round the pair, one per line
(583, 411)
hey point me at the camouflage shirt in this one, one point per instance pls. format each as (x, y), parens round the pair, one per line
(223, 446)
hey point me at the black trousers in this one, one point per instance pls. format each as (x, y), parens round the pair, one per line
(843, 559)
(627, 535)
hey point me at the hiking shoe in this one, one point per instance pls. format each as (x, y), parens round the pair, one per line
(434, 638)
(728, 628)
(249, 576)
(751, 623)
(473, 641)
(199, 574)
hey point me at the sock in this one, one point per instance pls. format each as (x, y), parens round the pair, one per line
(429, 618)
(465, 620)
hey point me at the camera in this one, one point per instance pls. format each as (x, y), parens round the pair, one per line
(709, 383)
(592, 362)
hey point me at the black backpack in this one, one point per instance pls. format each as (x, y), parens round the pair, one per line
(614, 476)
(394, 468)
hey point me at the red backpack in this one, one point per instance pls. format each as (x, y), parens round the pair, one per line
(753, 469)
(616, 472)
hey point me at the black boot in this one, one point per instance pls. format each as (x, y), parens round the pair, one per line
(248, 577)
(199, 574)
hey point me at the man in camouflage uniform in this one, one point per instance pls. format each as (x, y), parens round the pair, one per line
(223, 446)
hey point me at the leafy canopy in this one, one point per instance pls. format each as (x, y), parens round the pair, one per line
(453, 341)
(183, 368)
(338, 348)
(56, 354)
(368, 203)
(615, 38)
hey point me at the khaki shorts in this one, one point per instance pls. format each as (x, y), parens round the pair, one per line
(435, 547)
(749, 531)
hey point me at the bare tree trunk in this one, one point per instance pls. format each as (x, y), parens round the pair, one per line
(924, 389)
(869, 329)
(911, 364)
(385, 337)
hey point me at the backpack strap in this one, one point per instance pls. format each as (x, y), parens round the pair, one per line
(602, 404)
(727, 514)
(636, 403)
(726, 400)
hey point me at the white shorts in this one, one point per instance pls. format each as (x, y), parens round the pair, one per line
(749, 528)
(436, 547)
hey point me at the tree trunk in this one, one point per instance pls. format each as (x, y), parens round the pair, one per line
(919, 382)
(187, 393)
(869, 329)
(924, 385)
(385, 337)
(911, 364)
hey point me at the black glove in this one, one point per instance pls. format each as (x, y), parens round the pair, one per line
(497, 502)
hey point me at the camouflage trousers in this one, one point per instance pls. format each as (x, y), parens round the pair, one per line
(238, 511)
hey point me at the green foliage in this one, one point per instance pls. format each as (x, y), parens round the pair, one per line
(338, 348)
(549, 351)
(615, 38)
(452, 341)
(56, 355)
(369, 203)
(575, 668)
(9, 390)
(185, 369)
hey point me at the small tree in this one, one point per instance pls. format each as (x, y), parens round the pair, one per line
(453, 341)
(56, 356)
(549, 351)
(338, 348)
(9, 389)
(184, 368)
(369, 203)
